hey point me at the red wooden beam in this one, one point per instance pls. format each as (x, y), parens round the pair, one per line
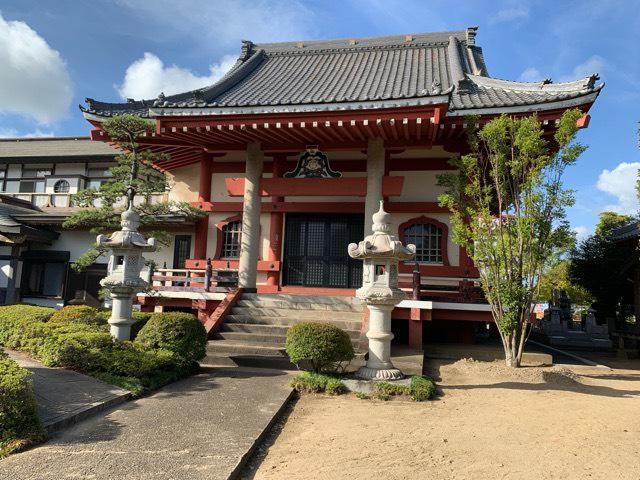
(287, 187)
(322, 207)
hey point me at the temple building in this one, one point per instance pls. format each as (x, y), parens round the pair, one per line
(290, 153)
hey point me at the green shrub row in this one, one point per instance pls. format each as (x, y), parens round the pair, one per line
(420, 389)
(311, 382)
(166, 348)
(19, 423)
(80, 314)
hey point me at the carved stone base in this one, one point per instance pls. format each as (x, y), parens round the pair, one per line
(367, 373)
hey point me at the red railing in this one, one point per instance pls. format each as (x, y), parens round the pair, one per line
(465, 291)
(194, 280)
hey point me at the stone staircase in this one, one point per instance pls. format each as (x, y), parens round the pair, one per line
(254, 333)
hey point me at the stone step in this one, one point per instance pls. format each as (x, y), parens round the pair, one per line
(252, 338)
(217, 348)
(268, 339)
(283, 304)
(298, 314)
(232, 353)
(268, 329)
(315, 299)
(253, 361)
(287, 321)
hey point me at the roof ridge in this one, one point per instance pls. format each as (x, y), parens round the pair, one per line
(467, 35)
(588, 83)
(42, 139)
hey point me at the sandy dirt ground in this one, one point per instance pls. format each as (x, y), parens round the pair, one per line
(490, 422)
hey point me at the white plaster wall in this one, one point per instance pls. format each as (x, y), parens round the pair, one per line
(219, 188)
(75, 242)
(74, 184)
(70, 169)
(419, 186)
(184, 183)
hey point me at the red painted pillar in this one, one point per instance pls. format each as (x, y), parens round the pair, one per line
(204, 195)
(415, 329)
(275, 226)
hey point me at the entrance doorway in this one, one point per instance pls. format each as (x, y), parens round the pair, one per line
(315, 250)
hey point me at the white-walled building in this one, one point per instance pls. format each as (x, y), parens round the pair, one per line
(38, 177)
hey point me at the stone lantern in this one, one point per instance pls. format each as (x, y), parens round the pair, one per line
(381, 253)
(125, 264)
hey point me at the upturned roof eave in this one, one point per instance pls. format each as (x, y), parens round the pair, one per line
(586, 98)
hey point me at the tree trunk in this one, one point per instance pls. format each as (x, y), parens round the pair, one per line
(513, 348)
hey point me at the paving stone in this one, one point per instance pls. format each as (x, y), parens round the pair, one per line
(64, 396)
(202, 427)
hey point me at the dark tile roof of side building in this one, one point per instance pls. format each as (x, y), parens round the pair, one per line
(18, 149)
(347, 74)
(629, 231)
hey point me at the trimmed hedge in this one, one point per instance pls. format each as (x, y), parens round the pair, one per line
(140, 320)
(177, 332)
(89, 348)
(80, 314)
(311, 382)
(323, 345)
(19, 422)
(422, 388)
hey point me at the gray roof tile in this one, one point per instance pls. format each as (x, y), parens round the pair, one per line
(347, 73)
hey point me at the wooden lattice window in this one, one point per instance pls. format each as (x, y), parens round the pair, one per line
(430, 238)
(231, 237)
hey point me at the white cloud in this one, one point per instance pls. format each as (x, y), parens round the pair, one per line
(531, 75)
(582, 232)
(621, 183)
(225, 22)
(511, 13)
(148, 76)
(594, 64)
(13, 133)
(33, 77)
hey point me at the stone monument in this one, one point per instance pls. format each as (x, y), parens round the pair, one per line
(381, 253)
(125, 264)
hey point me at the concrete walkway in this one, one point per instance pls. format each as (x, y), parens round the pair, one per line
(202, 427)
(65, 397)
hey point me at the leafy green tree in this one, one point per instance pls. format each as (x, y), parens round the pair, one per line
(132, 175)
(600, 266)
(507, 204)
(558, 277)
(609, 221)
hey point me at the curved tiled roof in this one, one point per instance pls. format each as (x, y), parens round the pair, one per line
(378, 72)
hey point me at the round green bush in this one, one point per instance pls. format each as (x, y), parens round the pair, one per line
(140, 319)
(177, 332)
(18, 411)
(323, 345)
(79, 314)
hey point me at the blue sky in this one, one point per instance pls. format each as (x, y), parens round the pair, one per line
(56, 53)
